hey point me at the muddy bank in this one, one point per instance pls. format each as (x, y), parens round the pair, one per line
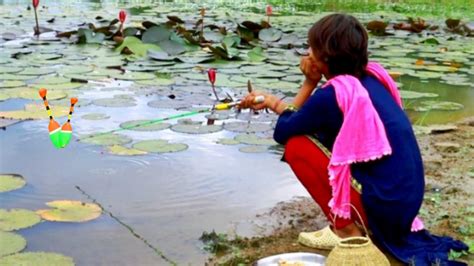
(447, 209)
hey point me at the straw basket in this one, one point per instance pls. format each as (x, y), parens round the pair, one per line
(358, 251)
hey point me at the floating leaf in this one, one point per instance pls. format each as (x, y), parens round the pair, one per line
(134, 76)
(32, 94)
(252, 139)
(136, 46)
(270, 35)
(124, 151)
(37, 71)
(115, 102)
(11, 84)
(95, 116)
(196, 128)
(11, 243)
(144, 125)
(228, 142)
(253, 149)
(440, 106)
(59, 86)
(35, 111)
(160, 55)
(156, 82)
(9, 182)
(70, 211)
(409, 95)
(15, 77)
(106, 139)
(247, 127)
(76, 69)
(88, 36)
(256, 54)
(173, 48)
(16, 219)
(156, 35)
(36, 258)
(10, 69)
(159, 146)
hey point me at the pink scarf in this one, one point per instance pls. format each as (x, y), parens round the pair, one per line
(362, 136)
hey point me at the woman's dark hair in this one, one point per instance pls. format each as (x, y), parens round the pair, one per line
(340, 41)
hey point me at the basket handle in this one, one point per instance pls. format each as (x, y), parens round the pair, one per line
(358, 214)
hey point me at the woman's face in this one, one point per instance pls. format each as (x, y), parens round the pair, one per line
(321, 66)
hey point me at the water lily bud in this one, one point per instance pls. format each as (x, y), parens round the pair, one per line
(36, 3)
(122, 16)
(211, 73)
(269, 10)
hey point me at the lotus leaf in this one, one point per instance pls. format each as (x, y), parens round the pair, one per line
(252, 139)
(440, 106)
(11, 243)
(9, 182)
(270, 35)
(253, 149)
(144, 125)
(36, 258)
(124, 151)
(16, 219)
(35, 111)
(95, 116)
(247, 127)
(107, 139)
(70, 211)
(159, 146)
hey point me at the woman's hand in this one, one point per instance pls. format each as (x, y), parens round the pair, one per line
(250, 102)
(310, 70)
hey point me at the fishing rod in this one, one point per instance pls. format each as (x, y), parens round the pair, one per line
(218, 107)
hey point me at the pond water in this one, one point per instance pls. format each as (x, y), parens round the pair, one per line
(164, 201)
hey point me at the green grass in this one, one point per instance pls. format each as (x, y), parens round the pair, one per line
(462, 9)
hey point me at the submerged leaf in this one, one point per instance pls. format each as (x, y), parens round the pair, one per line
(124, 151)
(106, 139)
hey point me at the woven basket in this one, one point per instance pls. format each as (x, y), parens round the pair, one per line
(358, 251)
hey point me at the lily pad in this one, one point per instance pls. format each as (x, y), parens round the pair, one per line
(95, 116)
(52, 80)
(15, 77)
(156, 35)
(76, 69)
(137, 47)
(115, 102)
(167, 103)
(196, 128)
(159, 146)
(36, 71)
(11, 243)
(9, 182)
(36, 258)
(253, 149)
(106, 139)
(70, 211)
(35, 111)
(59, 86)
(10, 69)
(124, 151)
(439, 106)
(252, 139)
(256, 54)
(16, 219)
(173, 48)
(409, 95)
(144, 125)
(88, 36)
(11, 84)
(134, 76)
(32, 94)
(228, 141)
(247, 127)
(270, 35)
(156, 82)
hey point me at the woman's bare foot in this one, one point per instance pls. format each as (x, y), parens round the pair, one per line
(348, 231)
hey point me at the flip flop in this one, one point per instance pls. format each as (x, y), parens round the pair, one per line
(322, 239)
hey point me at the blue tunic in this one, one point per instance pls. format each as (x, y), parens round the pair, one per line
(393, 186)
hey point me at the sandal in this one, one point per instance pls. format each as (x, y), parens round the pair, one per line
(322, 239)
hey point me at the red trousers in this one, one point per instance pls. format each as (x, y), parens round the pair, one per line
(310, 164)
